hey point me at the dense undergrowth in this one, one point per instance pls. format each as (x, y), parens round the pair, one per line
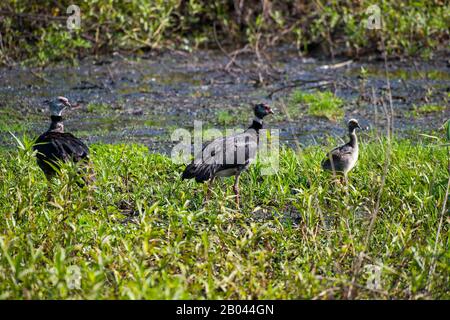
(35, 32)
(141, 232)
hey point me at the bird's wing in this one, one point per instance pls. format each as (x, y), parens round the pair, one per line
(229, 151)
(75, 147)
(233, 152)
(340, 153)
(62, 146)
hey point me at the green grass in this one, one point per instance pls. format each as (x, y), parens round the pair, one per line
(318, 104)
(232, 116)
(12, 118)
(98, 108)
(224, 117)
(426, 109)
(177, 248)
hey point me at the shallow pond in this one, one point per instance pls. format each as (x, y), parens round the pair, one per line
(144, 99)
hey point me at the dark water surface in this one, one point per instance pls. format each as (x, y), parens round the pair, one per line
(128, 99)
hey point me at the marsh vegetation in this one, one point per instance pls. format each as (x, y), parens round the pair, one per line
(138, 70)
(141, 232)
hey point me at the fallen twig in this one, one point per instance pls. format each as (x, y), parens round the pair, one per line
(298, 83)
(40, 76)
(335, 66)
(232, 59)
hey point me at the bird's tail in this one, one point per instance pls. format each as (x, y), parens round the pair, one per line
(201, 172)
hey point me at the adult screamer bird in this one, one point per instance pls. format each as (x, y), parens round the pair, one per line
(342, 159)
(55, 145)
(228, 156)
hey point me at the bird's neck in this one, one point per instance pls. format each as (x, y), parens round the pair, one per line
(353, 138)
(57, 124)
(256, 125)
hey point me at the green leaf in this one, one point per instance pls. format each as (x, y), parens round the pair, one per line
(428, 136)
(19, 143)
(448, 130)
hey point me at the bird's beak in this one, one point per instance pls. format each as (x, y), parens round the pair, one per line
(359, 126)
(271, 111)
(67, 104)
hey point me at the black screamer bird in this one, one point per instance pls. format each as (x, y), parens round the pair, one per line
(342, 159)
(228, 156)
(55, 145)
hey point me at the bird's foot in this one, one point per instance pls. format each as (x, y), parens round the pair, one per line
(337, 181)
(49, 195)
(237, 198)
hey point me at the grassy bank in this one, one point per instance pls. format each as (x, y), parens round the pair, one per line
(37, 33)
(297, 235)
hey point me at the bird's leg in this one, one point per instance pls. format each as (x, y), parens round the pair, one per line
(88, 174)
(89, 180)
(49, 186)
(336, 179)
(49, 192)
(332, 165)
(236, 190)
(208, 192)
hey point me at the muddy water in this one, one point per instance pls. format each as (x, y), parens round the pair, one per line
(144, 99)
